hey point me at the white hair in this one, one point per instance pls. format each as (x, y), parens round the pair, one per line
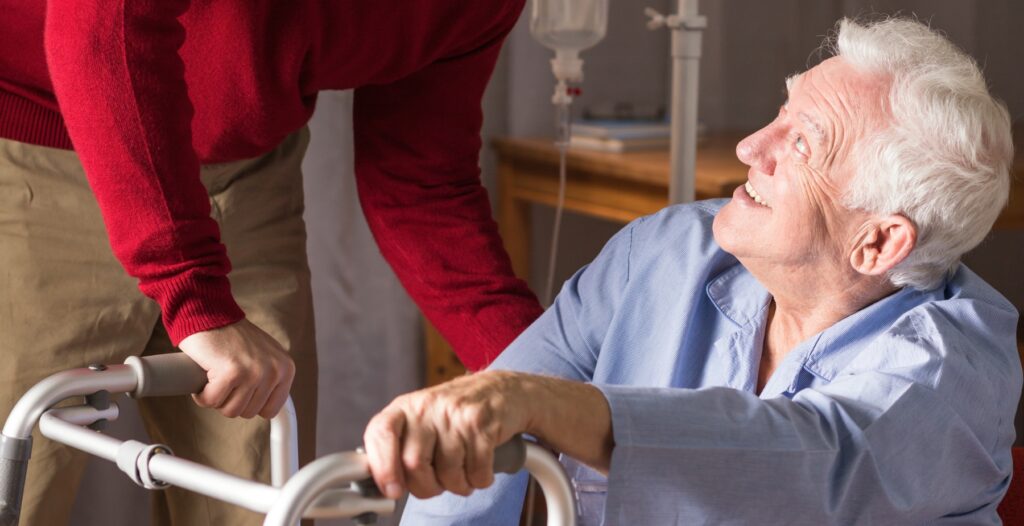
(945, 159)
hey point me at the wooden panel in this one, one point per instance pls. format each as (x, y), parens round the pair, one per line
(442, 364)
(717, 165)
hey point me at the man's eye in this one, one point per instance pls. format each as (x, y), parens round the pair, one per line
(801, 146)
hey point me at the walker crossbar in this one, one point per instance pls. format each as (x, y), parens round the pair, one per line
(329, 487)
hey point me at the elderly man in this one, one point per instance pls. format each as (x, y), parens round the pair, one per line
(809, 352)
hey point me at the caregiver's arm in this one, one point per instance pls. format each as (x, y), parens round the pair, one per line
(443, 438)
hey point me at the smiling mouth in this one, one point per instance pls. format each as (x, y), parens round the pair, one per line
(754, 195)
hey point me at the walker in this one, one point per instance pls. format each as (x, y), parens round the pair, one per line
(333, 486)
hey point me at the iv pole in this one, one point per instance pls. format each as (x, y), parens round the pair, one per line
(687, 27)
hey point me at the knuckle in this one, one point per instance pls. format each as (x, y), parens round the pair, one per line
(384, 426)
(415, 463)
(232, 373)
(480, 478)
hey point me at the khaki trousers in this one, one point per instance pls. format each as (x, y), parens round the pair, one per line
(65, 302)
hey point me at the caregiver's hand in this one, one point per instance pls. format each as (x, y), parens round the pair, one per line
(249, 373)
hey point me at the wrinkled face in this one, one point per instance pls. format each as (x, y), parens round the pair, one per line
(790, 210)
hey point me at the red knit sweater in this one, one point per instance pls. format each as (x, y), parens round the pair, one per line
(146, 91)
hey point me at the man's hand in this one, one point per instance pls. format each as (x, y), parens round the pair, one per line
(249, 373)
(443, 438)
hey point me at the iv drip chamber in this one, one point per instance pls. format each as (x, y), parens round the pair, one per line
(568, 27)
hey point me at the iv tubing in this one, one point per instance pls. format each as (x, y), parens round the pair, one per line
(562, 143)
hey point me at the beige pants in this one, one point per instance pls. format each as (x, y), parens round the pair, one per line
(65, 302)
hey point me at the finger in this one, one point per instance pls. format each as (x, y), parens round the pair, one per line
(383, 443)
(275, 401)
(259, 398)
(236, 402)
(214, 394)
(417, 459)
(479, 461)
(450, 463)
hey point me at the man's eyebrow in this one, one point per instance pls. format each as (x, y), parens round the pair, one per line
(816, 129)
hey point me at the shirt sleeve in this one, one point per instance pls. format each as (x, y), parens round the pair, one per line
(120, 84)
(417, 144)
(873, 447)
(565, 341)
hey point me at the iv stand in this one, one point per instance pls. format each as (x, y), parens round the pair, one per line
(687, 27)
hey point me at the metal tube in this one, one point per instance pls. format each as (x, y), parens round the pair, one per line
(686, 51)
(284, 453)
(550, 474)
(64, 425)
(301, 490)
(336, 503)
(76, 382)
(168, 468)
(210, 482)
(54, 426)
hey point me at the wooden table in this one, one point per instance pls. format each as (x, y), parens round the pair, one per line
(617, 187)
(614, 186)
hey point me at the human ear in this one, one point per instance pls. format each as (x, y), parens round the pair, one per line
(883, 245)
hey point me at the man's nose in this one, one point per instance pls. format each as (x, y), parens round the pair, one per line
(758, 152)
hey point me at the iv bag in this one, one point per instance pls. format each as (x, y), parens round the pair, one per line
(569, 25)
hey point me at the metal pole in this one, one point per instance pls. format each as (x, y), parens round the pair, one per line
(686, 27)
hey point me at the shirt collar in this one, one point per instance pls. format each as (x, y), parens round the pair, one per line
(738, 295)
(836, 346)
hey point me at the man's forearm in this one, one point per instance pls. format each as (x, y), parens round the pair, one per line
(572, 417)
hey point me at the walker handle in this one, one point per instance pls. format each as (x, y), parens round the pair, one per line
(12, 473)
(170, 374)
(510, 456)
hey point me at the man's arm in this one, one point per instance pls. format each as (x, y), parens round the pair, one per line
(417, 144)
(564, 343)
(875, 446)
(120, 83)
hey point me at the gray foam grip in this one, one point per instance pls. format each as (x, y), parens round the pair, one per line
(12, 484)
(167, 375)
(510, 456)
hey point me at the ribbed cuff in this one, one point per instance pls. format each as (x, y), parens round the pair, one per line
(24, 120)
(194, 303)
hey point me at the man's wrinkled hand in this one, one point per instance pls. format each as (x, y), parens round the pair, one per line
(248, 372)
(443, 438)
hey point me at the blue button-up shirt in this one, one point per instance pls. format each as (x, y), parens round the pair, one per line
(901, 413)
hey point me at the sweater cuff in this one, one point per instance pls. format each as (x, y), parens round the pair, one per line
(194, 303)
